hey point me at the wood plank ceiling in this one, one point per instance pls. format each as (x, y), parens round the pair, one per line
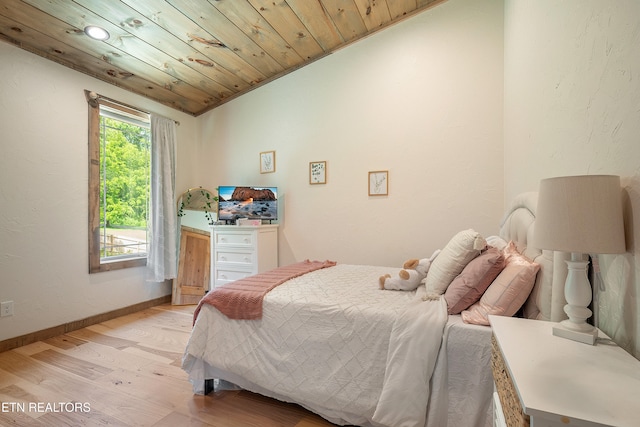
(194, 55)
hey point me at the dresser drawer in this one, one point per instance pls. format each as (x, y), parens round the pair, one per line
(241, 251)
(236, 257)
(498, 415)
(238, 238)
(223, 276)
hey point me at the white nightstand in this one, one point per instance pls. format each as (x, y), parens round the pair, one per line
(558, 382)
(241, 251)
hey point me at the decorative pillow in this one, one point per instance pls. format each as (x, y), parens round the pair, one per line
(476, 277)
(509, 290)
(462, 248)
(497, 242)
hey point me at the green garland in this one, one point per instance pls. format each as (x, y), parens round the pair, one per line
(208, 201)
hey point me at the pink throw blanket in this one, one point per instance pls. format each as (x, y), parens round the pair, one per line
(243, 298)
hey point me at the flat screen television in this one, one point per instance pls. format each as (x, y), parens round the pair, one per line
(247, 202)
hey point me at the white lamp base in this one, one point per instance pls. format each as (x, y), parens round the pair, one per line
(581, 336)
(577, 292)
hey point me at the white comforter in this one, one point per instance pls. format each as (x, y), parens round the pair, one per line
(332, 341)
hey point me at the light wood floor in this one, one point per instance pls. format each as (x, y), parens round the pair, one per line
(126, 372)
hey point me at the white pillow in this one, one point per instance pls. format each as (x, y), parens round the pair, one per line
(461, 249)
(497, 242)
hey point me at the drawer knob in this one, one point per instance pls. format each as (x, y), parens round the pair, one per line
(246, 240)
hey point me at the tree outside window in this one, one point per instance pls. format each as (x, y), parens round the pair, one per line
(119, 185)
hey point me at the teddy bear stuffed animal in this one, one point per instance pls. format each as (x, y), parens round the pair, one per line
(409, 278)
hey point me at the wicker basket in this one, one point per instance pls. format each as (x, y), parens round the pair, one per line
(513, 414)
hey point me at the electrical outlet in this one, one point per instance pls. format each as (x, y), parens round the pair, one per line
(6, 308)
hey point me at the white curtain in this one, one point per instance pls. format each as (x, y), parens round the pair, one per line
(161, 261)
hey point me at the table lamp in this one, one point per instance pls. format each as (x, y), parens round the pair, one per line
(581, 215)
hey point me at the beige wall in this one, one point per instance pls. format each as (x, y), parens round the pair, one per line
(43, 196)
(422, 100)
(572, 106)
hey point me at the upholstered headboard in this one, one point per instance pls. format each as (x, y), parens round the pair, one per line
(546, 301)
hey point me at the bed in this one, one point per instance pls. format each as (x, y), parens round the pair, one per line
(333, 342)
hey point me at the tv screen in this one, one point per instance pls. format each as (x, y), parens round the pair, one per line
(247, 202)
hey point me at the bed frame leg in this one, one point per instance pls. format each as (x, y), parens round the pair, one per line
(208, 386)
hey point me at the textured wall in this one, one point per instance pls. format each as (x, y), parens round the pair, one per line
(572, 106)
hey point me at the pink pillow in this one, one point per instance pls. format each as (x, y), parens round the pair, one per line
(509, 290)
(476, 277)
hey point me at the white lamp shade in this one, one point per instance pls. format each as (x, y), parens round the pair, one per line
(580, 214)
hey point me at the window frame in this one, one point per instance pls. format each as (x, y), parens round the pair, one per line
(96, 265)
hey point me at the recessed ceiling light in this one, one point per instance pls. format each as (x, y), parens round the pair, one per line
(96, 32)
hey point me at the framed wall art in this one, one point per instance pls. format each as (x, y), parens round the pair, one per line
(379, 183)
(267, 161)
(318, 172)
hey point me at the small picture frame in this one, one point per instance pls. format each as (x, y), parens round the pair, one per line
(379, 183)
(267, 162)
(318, 172)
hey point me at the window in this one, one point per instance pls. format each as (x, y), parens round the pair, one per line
(119, 185)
